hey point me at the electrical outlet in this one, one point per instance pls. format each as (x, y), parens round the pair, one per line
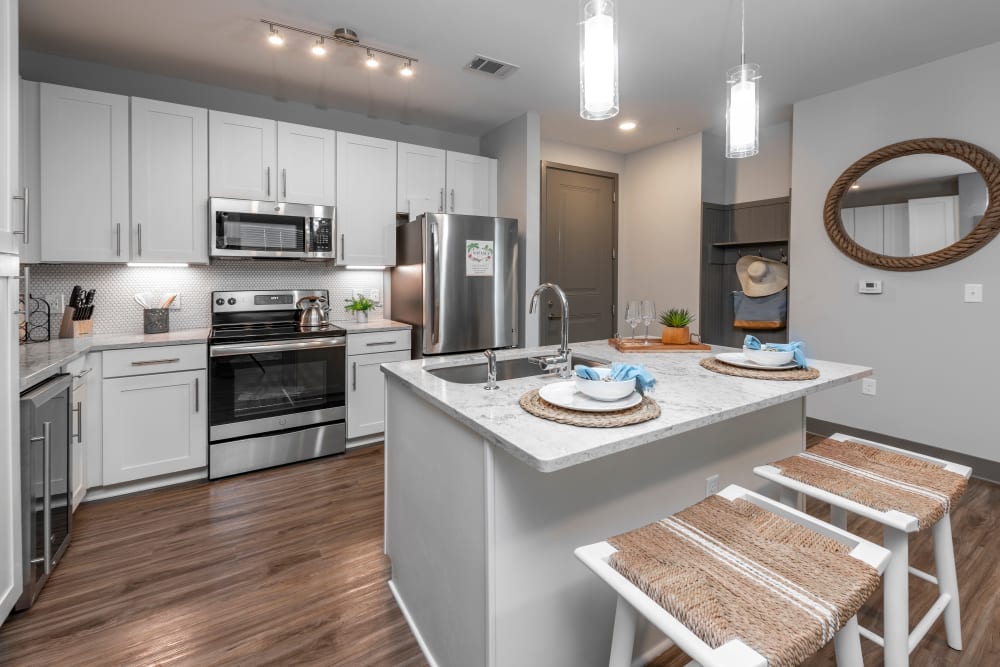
(973, 293)
(373, 294)
(711, 485)
(356, 293)
(868, 386)
(176, 304)
(57, 302)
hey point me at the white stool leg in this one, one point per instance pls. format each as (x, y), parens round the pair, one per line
(623, 639)
(944, 561)
(838, 517)
(847, 644)
(896, 596)
(788, 498)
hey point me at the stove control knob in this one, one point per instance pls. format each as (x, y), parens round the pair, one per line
(219, 301)
(232, 301)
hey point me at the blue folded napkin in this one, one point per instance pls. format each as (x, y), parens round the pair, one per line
(644, 381)
(795, 347)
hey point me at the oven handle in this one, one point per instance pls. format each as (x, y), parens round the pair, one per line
(283, 346)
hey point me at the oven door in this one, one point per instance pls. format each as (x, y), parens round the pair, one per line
(275, 386)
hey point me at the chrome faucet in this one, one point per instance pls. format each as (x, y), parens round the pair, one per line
(563, 362)
(491, 370)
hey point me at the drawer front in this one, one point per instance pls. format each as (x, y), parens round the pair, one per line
(378, 341)
(147, 360)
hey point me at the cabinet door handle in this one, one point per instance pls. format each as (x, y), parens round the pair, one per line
(354, 380)
(381, 342)
(79, 421)
(342, 246)
(267, 179)
(139, 237)
(26, 229)
(118, 239)
(284, 183)
(441, 202)
(82, 373)
(46, 440)
(453, 200)
(152, 362)
(197, 400)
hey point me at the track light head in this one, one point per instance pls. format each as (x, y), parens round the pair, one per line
(319, 48)
(407, 69)
(275, 37)
(371, 60)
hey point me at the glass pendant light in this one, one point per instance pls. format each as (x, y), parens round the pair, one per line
(598, 59)
(743, 103)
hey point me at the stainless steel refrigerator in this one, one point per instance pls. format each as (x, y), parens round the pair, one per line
(455, 281)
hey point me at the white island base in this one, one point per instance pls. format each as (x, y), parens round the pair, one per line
(482, 543)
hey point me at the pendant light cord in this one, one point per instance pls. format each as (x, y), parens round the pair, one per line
(743, 32)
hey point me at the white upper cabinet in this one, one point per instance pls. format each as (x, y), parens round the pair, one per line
(169, 182)
(366, 196)
(307, 165)
(420, 180)
(472, 183)
(84, 175)
(242, 156)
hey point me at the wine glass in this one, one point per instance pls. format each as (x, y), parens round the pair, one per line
(632, 316)
(647, 313)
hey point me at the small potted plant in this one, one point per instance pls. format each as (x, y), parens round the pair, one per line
(676, 322)
(360, 306)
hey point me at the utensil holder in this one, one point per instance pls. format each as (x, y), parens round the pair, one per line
(155, 320)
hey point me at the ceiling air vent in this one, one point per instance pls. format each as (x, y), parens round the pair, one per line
(491, 67)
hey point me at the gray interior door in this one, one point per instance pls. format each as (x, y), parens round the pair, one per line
(578, 251)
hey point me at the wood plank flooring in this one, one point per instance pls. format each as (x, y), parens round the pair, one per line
(285, 567)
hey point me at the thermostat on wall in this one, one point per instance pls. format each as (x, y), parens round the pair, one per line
(870, 286)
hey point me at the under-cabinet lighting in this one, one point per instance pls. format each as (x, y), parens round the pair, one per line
(365, 268)
(160, 265)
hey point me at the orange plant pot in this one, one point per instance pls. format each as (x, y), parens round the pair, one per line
(676, 335)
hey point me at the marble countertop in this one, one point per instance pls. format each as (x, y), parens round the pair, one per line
(689, 397)
(39, 361)
(373, 326)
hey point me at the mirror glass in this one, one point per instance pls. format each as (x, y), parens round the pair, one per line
(914, 205)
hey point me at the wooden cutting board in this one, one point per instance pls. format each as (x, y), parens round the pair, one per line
(655, 345)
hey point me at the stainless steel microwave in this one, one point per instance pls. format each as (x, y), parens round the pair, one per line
(267, 229)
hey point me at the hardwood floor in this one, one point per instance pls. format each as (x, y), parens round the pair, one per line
(283, 566)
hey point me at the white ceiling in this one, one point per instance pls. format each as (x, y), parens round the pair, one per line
(674, 54)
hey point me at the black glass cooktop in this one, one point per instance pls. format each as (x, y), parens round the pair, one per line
(263, 331)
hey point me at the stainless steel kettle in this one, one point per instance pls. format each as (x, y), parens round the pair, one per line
(315, 312)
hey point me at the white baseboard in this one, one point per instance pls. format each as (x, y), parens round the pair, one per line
(102, 492)
(413, 626)
(365, 440)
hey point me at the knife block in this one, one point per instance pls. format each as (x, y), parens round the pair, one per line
(71, 328)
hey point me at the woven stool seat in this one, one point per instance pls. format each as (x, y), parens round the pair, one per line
(879, 479)
(728, 569)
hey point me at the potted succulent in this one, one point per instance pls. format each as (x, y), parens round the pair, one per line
(676, 322)
(360, 306)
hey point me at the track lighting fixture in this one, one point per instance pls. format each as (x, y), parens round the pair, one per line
(342, 36)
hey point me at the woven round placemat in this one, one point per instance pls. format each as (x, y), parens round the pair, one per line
(643, 412)
(713, 364)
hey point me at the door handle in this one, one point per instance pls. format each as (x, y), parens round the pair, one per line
(441, 202)
(153, 362)
(197, 400)
(267, 179)
(435, 286)
(26, 229)
(118, 239)
(342, 246)
(79, 421)
(284, 183)
(354, 380)
(453, 200)
(46, 440)
(139, 237)
(381, 342)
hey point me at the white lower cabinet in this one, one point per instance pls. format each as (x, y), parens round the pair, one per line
(154, 424)
(366, 391)
(85, 428)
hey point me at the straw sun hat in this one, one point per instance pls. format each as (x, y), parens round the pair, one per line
(760, 276)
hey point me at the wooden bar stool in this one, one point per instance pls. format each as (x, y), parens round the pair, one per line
(906, 493)
(738, 580)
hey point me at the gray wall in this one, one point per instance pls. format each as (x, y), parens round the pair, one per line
(934, 356)
(70, 72)
(517, 147)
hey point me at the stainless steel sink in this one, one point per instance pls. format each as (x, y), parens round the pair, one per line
(507, 369)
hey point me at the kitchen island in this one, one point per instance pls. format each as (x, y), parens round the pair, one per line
(485, 502)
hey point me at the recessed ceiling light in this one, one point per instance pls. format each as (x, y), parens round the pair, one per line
(627, 125)
(406, 69)
(371, 61)
(275, 37)
(856, 186)
(319, 48)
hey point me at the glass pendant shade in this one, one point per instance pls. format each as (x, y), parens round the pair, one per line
(742, 111)
(598, 60)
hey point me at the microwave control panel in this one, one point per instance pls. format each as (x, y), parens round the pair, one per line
(322, 240)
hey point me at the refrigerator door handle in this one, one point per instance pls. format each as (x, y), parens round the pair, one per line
(435, 285)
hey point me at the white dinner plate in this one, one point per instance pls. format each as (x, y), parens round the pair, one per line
(565, 395)
(739, 359)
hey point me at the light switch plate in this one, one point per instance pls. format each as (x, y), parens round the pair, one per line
(869, 286)
(973, 292)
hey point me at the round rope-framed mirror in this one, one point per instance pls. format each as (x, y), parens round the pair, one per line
(915, 205)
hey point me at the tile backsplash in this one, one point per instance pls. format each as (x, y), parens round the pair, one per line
(116, 312)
